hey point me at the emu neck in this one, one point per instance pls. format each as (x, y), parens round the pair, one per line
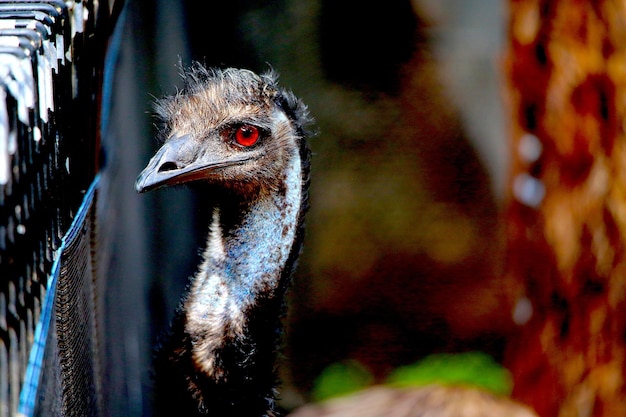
(236, 299)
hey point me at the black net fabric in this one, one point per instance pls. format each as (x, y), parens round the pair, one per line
(70, 377)
(51, 59)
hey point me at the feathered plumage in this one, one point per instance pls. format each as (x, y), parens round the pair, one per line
(245, 137)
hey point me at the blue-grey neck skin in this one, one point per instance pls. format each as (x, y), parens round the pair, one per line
(247, 251)
(220, 357)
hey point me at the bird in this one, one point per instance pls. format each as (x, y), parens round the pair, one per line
(245, 138)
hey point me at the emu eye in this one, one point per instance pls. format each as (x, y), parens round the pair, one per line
(247, 135)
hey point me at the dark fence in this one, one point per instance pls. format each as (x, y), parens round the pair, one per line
(51, 66)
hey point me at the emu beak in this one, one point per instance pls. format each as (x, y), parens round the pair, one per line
(178, 161)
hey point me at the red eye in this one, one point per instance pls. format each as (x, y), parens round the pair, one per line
(247, 135)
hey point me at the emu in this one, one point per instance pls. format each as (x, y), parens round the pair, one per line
(246, 138)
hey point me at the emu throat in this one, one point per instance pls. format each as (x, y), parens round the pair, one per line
(245, 264)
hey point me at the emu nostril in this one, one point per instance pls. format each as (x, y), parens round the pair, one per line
(168, 166)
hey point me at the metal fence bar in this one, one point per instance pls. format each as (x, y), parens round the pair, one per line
(51, 63)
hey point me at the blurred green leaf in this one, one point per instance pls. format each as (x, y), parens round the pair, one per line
(472, 368)
(341, 378)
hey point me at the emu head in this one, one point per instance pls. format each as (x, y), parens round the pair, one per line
(231, 128)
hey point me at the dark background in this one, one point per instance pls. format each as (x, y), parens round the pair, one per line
(402, 256)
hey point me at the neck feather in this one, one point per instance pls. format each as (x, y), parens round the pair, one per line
(245, 265)
(232, 317)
